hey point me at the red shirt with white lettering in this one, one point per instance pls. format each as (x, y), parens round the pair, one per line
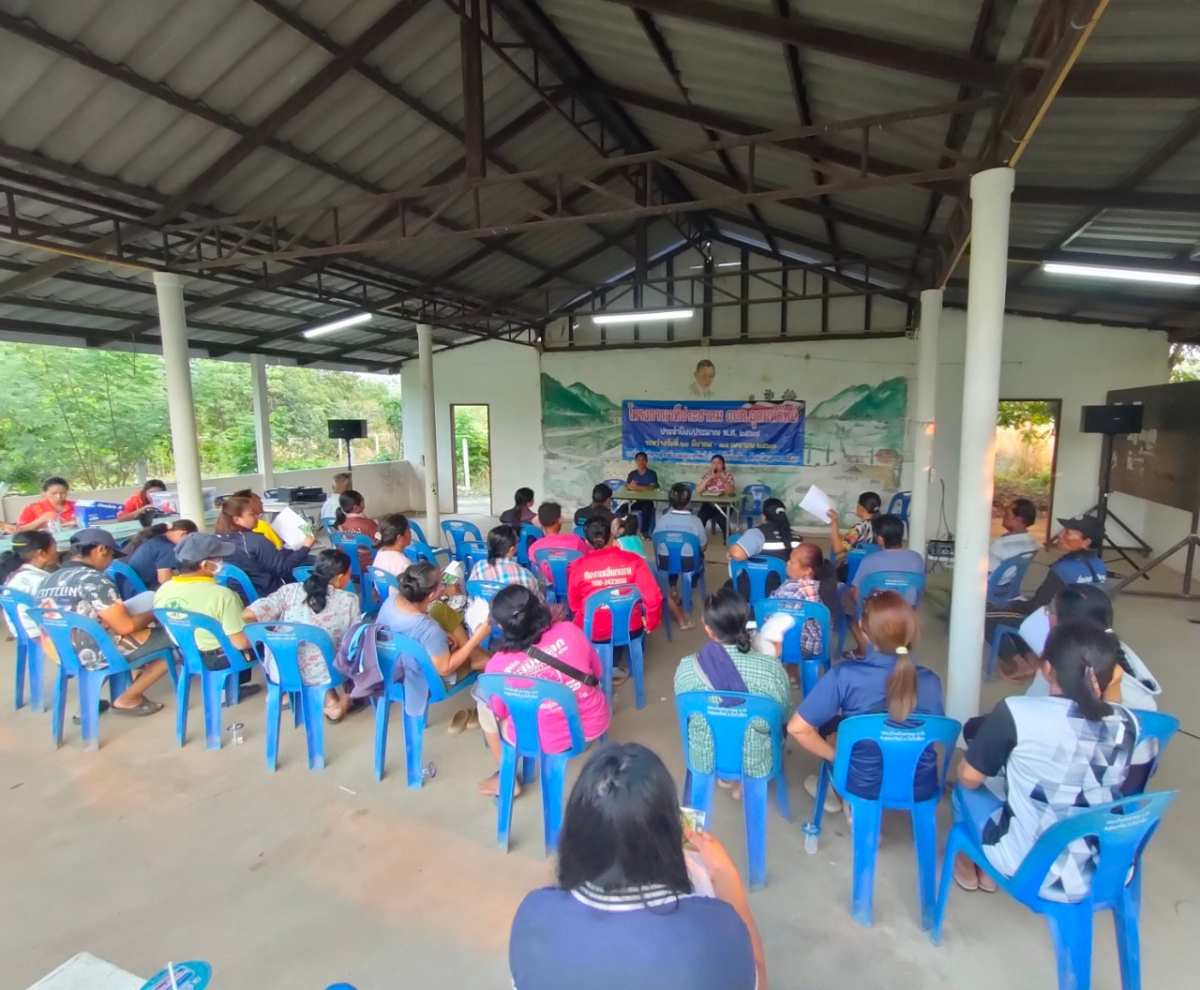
(613, 567)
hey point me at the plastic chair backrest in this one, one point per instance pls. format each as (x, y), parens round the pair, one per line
(458, 531)
(119, 569)
(232, 575)
(393, 649)
(757, 571)
(301, 573)
(58, 624)
(1159, 727)
(529, 534)
(691, 486)
(1121, 830)
(899, 505)
(670, 545)
(856, 556)
(417, 552)
(620, 602)
(801, 610)
(471, 552)
(910, 585)
(616, 484)
(578, 531)
(753, 497)
(729, 724)
(902, 744)
(283, 639)
(12, 602)
(382, 583)
(558, 560)
(418, 534)
(182, 627)
(524, 696)
(1004, 583)
(350, 544)
(487, 590)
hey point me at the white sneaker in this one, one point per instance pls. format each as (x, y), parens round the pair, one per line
(833, 803)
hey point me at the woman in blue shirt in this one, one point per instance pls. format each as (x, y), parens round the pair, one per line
(642, 479)
(152, 553)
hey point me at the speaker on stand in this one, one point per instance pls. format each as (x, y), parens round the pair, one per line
(1110, 421)
(348, 430)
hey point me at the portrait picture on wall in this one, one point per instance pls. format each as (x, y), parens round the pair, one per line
(703, 378)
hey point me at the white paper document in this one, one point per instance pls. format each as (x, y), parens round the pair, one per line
(817, 503)
(478, 612)
(291, 527)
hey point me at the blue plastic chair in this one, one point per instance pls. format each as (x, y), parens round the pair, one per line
(58, 625)
(998, 635)
(235, 577)
(126, 578)
(301, 574)
(1004, 584)
(671, 545)
(284, 639)
(911, 586)
(753, 497)
(801, 610)
(1121, 831)
(616, 484)
(487, 590)
(525, 538)
(558, 561)
(578, 531)
(757, 571)
(899, 506)
(329, 523)
(30, 657)
(471, 552)
(523, 698)
(728, 716)
(620, 602)
(856, 556)
(417, 552)
(379, 586)
(418, 536)
(391, 652)
(458, 532)
(182, 627)
(350, 544)
(1159, 727)
(902, 745)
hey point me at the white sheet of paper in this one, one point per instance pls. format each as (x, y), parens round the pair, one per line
(817, 503)
(773, 631)
(291, 527)
(478, 612)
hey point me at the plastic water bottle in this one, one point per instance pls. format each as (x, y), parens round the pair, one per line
(235, 733)
(429, 772)
(811, 838)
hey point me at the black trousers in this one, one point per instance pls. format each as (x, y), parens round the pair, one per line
(710, 513)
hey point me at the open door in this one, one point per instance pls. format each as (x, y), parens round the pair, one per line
(1026, 456)
(471, 443)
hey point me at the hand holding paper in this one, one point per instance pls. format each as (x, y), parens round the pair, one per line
(817, 503)
(291, 527)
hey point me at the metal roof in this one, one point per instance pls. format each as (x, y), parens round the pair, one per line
(121, 121)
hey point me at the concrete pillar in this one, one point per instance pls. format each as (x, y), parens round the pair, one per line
(433, 512)
(991, 198)
(262, 419)
(923, 417)
(173, 327)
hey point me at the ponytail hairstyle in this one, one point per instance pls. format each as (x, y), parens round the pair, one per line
(329, 564)
(522, 498)
(824, 574)
(501, 540)
(631, 525)
(597, 532)
(892, 626)
(392, 527)
(231, 508)
(775, 517)
(1083, 658)
(521, 617)
(726, 614)
(871, 502)
(348, 501)
(418, 582)
(140, 537)
(25, 546)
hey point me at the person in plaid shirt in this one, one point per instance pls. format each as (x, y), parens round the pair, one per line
(812, 579)
(501, 564)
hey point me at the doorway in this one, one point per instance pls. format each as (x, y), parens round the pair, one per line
(1026, 459)
(470, 440)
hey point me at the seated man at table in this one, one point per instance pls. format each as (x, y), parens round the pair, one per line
(889, 534)
(262, 525)
(679, 519)
(53, 512)
(642, 479)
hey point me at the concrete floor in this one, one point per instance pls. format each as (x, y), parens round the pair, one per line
(144, 852)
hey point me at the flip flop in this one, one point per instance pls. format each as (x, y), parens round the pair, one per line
(76, 720)
(140, 710)
(974, 882)
(458, 722)
(986, 883)
(620, 677)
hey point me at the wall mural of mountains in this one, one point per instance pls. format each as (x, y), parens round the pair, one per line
(887, 400)
(566, 405)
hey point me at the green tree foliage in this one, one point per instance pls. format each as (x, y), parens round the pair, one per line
(1185, 363)
(471, 424)
(1035, 420)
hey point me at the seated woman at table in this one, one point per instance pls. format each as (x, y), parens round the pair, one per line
(521, 511)
(716, 481)
(642, 479)
(773, 537)
(262, 527)
(152, 552)
(395, 535)
(139, 505)
(53, 512)
(25, 567)
(533, 644)
(267, 568)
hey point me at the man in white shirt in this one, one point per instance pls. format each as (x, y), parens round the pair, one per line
(1016, 520)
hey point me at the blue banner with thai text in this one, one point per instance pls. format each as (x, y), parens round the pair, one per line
(692, 432)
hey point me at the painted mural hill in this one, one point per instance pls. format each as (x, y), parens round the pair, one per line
(566, 405)
(887, 400)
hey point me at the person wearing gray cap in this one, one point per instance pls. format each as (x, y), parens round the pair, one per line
(195, 589)
(80, 585)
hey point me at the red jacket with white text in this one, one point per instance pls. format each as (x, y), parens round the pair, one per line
(609, 568)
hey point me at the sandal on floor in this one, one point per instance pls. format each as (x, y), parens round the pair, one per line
(140, 710)
(357, 705)
(473, 718)
(972, 884)
(458, 722)
(76, 720)
(986, 883)
(619, 677)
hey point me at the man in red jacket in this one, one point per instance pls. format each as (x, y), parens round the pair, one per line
(606, 565)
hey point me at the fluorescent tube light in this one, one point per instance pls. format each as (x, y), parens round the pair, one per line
(349, 321)
(647, 316)
(1121, 274)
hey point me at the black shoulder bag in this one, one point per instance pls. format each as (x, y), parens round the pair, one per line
(590, 680)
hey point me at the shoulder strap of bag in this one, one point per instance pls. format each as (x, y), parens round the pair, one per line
(590, 680)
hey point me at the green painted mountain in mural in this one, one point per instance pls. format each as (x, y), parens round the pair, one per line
(565, 405)
(887, 400)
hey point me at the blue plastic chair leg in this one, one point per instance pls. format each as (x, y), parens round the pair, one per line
(118, 684)
(414, 745)
(89, 707)
(313, 699)
(1126, 913)
(528, 769)
(819, 800)
(60, 707)
(754, 801)
(781, 796)
(504, 800)
(953, 847)
(383, 710)
(666, 612)
(19, 687)
(297, 709)
(810, 670)
(274, 717)
(36, 671)
(183, 691)
(702, 791)
(637, 670)
(867, 819)
(212, 684)
(924, 826)
(554, 778)
(1071, 931)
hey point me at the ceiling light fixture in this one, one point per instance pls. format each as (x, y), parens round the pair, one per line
(1121, 274)
(336, 325)
(647, 316)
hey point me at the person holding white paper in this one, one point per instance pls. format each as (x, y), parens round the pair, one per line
(817, 503)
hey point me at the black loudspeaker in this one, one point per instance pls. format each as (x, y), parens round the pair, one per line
(1111, 419)
(347, 429)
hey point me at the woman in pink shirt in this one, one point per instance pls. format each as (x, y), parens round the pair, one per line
(529, 632)
(717, 480)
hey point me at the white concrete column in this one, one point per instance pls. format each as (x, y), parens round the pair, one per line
(262, 419)
(991, 198)
(173, 327)
(433, 512)
(923, 417)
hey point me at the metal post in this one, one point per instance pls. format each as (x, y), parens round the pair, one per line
(433, 512)
(472, 88)
(923, 418)
(262, 420)
(991, 199)
(173, 328)
(466, 456)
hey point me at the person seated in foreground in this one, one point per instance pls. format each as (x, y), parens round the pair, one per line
(267, 567)
(641, 901)
(351, 518)
(643, 479)
(521, 511)
(601, 506)
(629, 536)
(535, 646)
(261, 526)
(679, 519)
(341, 482)
(54, 511)
(550, 518)
(394, 536)
(321, 601)
(25, 568)
(501, 565)
(810, 578)
(728, 663)
(889, 534)
(199, 557)
(884, 680)
(139, 505)
(151, 553)
(717, 480)
(416, 612)
(1038, 760)
(773, 537)
(80, 585)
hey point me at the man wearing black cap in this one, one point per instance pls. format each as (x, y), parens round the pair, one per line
(80, 585)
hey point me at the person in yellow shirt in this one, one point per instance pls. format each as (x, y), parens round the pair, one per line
(262, 526)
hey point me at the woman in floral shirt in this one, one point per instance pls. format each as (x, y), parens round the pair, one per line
(321, 601)
(716, 481)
